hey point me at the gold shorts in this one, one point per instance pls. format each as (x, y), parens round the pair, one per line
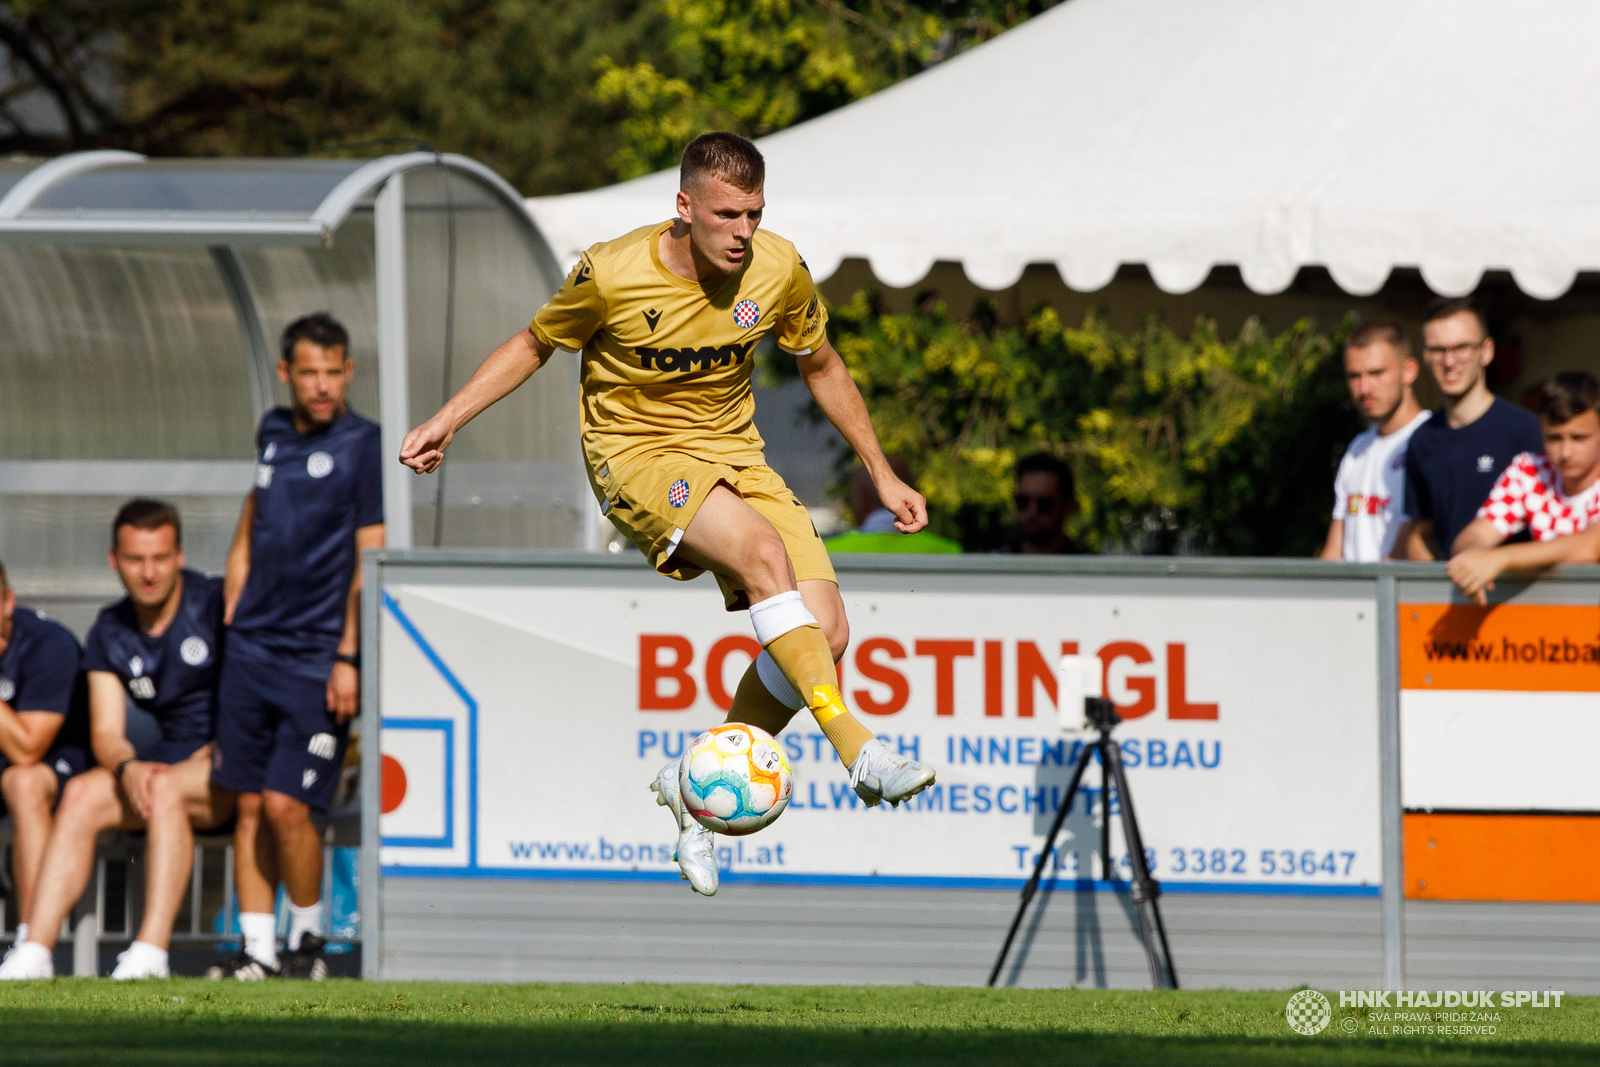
(653, 502)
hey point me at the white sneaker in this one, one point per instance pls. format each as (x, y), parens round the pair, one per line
(29, 960)
(880, 773)
(141, 960)
(696, 853)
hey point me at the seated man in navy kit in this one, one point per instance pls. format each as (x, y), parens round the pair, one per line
(161, 645)
(290, 682)
(44, 735)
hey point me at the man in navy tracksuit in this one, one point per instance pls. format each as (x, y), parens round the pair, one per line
(160, 647)
(290, 681)
(44, 732)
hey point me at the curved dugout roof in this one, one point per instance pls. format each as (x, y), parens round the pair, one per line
(1453, 136)
(123, 197)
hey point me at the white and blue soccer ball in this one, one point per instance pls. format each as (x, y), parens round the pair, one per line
(734, 779)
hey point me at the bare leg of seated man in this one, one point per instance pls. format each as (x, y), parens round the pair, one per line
(168, 801)
(30, 794)
(803, 633)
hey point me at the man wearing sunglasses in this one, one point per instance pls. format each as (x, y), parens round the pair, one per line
(1455, 457)
(1045, 501)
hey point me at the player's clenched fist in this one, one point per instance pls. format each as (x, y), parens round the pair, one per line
(423, 448)
(909, 507)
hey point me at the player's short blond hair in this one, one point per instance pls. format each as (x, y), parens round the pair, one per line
(1379, 332)
(723, 155)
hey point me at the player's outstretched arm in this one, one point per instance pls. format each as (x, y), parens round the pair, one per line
(836, 394)
(1478, 561)
(506, 368)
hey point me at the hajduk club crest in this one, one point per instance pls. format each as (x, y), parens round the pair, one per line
(678, 495)
(746, 314)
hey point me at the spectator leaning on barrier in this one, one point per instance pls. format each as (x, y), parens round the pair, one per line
(1045, 501)
(875, 524)
(1369, 490)
(44, 731)
(290, 681)
(1555, 496)
(1454, 458)
(159, 647)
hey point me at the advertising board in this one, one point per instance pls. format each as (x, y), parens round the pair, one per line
(523, 723)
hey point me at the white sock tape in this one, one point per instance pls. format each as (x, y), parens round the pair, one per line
(776, 616)
(772, 677)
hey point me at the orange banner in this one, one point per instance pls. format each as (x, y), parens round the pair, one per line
(1510, 647)
(1554, 858)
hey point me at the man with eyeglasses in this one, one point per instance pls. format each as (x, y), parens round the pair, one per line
(1455, 457)
(1045, 501)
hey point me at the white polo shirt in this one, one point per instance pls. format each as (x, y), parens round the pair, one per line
(1370, 491)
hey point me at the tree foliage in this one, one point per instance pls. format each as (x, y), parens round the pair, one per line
(505, 81)
(757, 66)
(1191, 442)
(557, 95)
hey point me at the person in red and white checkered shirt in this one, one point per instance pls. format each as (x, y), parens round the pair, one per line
(1555, 497)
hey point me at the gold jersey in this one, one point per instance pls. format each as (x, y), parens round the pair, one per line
(667, 361)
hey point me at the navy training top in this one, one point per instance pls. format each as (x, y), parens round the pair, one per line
(313, 491)
(173, 676)
(40, 670)
(1449, 472)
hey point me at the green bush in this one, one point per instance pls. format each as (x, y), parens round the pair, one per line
(1194, 444)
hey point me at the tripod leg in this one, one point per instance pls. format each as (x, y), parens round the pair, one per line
(1106, 873)
(1044, 857)
(1145, 888)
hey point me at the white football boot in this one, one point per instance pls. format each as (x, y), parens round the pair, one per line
(29, 960)
(696, 853)
(880, 773)
(140, 960)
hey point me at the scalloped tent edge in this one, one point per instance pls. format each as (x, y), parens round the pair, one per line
(1454, 137)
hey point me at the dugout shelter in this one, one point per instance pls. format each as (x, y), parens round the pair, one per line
(139, 325)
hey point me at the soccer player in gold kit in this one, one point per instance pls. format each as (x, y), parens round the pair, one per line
(667, 319)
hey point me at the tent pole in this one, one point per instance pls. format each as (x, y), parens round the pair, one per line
(394, 404)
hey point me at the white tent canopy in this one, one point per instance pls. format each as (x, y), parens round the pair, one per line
(1453, 136)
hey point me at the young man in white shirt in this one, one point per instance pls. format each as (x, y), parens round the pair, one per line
(1555, 496)
(1369, 490)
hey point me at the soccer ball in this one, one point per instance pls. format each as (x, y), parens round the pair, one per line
(735, 780)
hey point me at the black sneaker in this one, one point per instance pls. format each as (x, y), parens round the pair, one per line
(244, 968)
(305, 961)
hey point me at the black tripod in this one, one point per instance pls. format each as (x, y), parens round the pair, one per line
(1103, 715)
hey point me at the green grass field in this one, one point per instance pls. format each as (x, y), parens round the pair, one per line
(353, 1023)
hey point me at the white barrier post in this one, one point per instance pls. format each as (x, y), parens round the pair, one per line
(1390, 814)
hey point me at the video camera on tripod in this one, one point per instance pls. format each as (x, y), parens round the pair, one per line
(1082, 707)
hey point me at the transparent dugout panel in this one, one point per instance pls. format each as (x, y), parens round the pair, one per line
(119, 353)
(260, 188)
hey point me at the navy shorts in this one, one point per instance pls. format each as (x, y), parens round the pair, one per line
(170, 751)
(274, 731)
(65, 760)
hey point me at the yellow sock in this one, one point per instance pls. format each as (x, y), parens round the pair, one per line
(805, 659)
(755, 705)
